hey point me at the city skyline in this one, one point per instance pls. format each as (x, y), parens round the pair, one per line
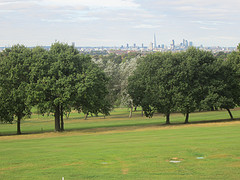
(119, 22)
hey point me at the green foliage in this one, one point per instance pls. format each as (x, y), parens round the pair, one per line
(185, 82)
(14, 79)
(153, 85)
(62, 78)
(221, 55)
(91, 91)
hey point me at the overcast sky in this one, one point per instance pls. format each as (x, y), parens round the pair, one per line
(118, 22)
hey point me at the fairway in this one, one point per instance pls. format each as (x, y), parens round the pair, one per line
(195, 151)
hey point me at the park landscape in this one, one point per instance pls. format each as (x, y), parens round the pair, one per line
(71, 116)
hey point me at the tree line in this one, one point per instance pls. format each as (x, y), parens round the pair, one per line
(58, 80)
(55, 81)
(186, 82)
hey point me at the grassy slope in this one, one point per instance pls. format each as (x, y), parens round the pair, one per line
(126, 154)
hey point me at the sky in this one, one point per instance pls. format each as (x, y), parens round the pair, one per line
(118, 22)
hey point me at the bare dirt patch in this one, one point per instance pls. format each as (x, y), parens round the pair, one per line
(220, 156)
(125, 171)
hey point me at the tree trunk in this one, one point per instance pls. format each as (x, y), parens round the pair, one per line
(62, 123)
(230, 114)
(19, 125)
(168, 118)
(131, 110)
(86, 116)
(186, 118)
(142, 112)
(135, 108)
(57, 118)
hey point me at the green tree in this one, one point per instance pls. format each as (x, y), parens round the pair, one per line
(14, 80)
(91, 91)
(62, 78)
(206, 83)
(198, 71)
(154, 84)
(229, 73)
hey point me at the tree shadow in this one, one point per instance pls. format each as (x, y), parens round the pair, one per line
(128, 127)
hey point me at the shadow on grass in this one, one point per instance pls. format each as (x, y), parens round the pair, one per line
(106, 128)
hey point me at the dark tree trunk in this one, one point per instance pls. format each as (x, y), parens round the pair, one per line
(62, 123)
(19, 125)
(186, 118)
(168, 118)
(57, 118)
(142, 112)
(86, 116)
(230, 114)
(135, 108)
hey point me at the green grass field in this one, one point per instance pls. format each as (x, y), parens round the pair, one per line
(121, 148)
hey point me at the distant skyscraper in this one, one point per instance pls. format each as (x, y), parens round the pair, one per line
(155, 42)
(190, 43)
(186, 45)
(184, 42)
(173, 44)
(127, 46)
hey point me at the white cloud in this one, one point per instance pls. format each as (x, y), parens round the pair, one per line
(208, 28)
(146, 26)
(122, 4)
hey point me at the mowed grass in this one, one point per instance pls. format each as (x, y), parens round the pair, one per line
(119, 118)
(138, 154)
(121, 148)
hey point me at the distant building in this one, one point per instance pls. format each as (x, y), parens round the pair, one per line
(173, 44)
(155, 42)
(186, 43)
(150, 46)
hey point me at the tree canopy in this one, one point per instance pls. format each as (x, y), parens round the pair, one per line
(55, 81)
(184, 82)
(62, 78)
(15, 66)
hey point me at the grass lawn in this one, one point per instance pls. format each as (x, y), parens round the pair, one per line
(122, 148)
(118, 118)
